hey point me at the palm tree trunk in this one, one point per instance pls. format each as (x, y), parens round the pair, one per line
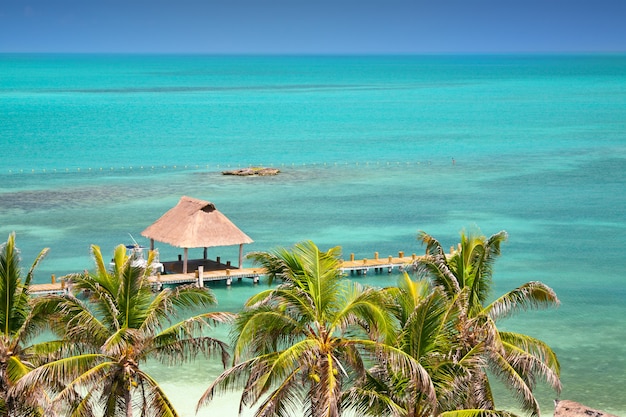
(129, 402)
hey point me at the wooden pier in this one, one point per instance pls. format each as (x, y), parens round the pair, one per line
(206, 270)
(200, 277)
(379, 265)
(158, 281)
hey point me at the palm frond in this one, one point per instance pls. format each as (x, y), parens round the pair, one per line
(96, 253)
(31, 271)
(532, 295)
(13, 306)
(182, 350)
(75, 320)
(279, 264)
(531, 356)
(102, 297)
(372, 401)
(169, 303)
(286, 400)
(516, 383)
(401, 363)
(119, 342)
(60, 376)
(154, 398)
(192, 327)
(16, 369)
(260, 330)
(364, 307)
(427, 328)
(436, 264)
(234, 378)
(301, 354)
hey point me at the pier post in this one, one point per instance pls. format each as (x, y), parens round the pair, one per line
(53, 279)
(376, 255)
(200, 276)
(400, 254)
(352, 257)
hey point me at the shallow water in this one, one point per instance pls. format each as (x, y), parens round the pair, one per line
(371, 149)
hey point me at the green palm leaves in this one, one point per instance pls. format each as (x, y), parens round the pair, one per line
(519, 360)
(111, 333)
(318, 344)
(17, 322)
(314, 344)
(297, 346)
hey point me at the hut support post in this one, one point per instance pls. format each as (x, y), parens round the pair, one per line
(151, 244)
(200, 276)
(205, 253)
(185, 261)
(240, 255)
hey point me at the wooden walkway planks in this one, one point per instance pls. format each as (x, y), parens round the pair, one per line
(223, 273)
(208, 276)
(362, 266)
(43, 289)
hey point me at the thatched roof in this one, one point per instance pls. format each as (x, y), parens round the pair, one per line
(194, 223)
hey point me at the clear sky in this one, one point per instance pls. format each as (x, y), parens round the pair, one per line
(312, 26)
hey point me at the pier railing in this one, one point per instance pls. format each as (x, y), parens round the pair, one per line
(226, 273)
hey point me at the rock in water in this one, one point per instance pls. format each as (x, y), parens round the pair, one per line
(566, 408)
(244, 172)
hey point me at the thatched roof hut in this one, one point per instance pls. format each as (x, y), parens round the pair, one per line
(195, 223)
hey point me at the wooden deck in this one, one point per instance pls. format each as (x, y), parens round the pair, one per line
(158, 281)
(207, 276)
(216, 271)
(363, 266)
(176, 267)
(44, 289)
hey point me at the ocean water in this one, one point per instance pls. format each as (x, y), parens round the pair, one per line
(371, 149)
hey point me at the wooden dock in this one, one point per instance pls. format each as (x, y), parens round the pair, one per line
(158, 281)
(216, 271)
(202, 277)
(377, 264)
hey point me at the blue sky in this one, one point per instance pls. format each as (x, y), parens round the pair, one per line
(312, 27)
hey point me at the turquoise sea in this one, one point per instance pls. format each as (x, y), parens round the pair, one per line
(372, 149)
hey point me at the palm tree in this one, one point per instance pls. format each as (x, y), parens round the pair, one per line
(299, 346)
(18, 324)
(428, 330)
(425, 332)
(517, 359)
(120, 326)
